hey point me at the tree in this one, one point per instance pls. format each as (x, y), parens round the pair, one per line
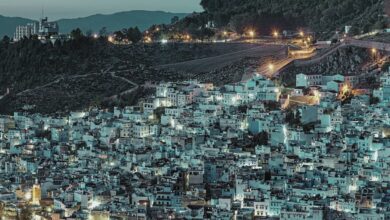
(379, 25)
(119, 35)
(293, 118)
(354, 31)
(6, 39)
(134, 35)
(76, 34)
(88, 33)
(297, 117)
(103, 32)
(174, 20)
(385, 66)
(261, 138)
(290, 117)
(374, 100)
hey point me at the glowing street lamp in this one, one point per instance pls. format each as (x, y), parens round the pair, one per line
(148, 39)
(252, 33)
(110, 39)
(271, 67)
(276, 34)
(301, 33)
(374, 51)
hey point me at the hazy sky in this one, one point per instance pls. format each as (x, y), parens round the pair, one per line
(56, 9)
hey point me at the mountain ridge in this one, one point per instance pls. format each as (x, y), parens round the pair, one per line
(115, 21)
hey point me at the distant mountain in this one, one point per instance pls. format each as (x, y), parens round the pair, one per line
(118, 21)
(8, 24)
(113, 22)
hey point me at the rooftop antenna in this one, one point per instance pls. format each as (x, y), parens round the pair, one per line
(43, 12)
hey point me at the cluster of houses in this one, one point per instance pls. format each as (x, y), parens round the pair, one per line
(195, 151)
(328, 82)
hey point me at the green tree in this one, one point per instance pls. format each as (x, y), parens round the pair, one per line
(175, 19)
(134, 34)
(6, 39)
(76, 34)
(119, 35)
(103, 32)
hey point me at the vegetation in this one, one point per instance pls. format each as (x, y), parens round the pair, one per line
(133, 35)
(374, 100)
(320, 15)
(293, 118)
(29, 63)
(72, 75)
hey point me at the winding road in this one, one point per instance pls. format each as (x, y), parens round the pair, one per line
(278, 66)
(205, 64)
(216, 62)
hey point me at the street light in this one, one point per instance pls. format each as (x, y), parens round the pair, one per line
(374, 51)
(301, 34)
(251, 34)
(276, 34)
(271, 67)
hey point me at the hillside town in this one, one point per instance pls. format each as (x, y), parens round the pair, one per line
(248, 150)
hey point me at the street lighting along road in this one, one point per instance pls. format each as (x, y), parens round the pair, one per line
(252, 34)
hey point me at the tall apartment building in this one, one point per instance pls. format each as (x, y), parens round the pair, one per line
(26, 31)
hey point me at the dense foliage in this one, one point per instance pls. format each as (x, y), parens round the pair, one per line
(132, 34)
(30, 63)
(320, 15)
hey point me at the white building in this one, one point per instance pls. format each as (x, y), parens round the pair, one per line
(26, 31)
(303, 80)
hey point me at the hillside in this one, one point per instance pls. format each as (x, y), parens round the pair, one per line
(94, 23)
(320, 15)
(91, 72)
(118, 21)
(8, 24)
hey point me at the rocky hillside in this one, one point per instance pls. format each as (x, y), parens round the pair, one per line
(320, 15)
(345, 61)
(79, 73)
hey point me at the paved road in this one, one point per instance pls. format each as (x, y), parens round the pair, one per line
(212, 63)
(348, 42)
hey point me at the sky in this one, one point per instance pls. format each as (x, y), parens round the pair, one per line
(57, 9)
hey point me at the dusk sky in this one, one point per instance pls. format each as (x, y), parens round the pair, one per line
(56, 9)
